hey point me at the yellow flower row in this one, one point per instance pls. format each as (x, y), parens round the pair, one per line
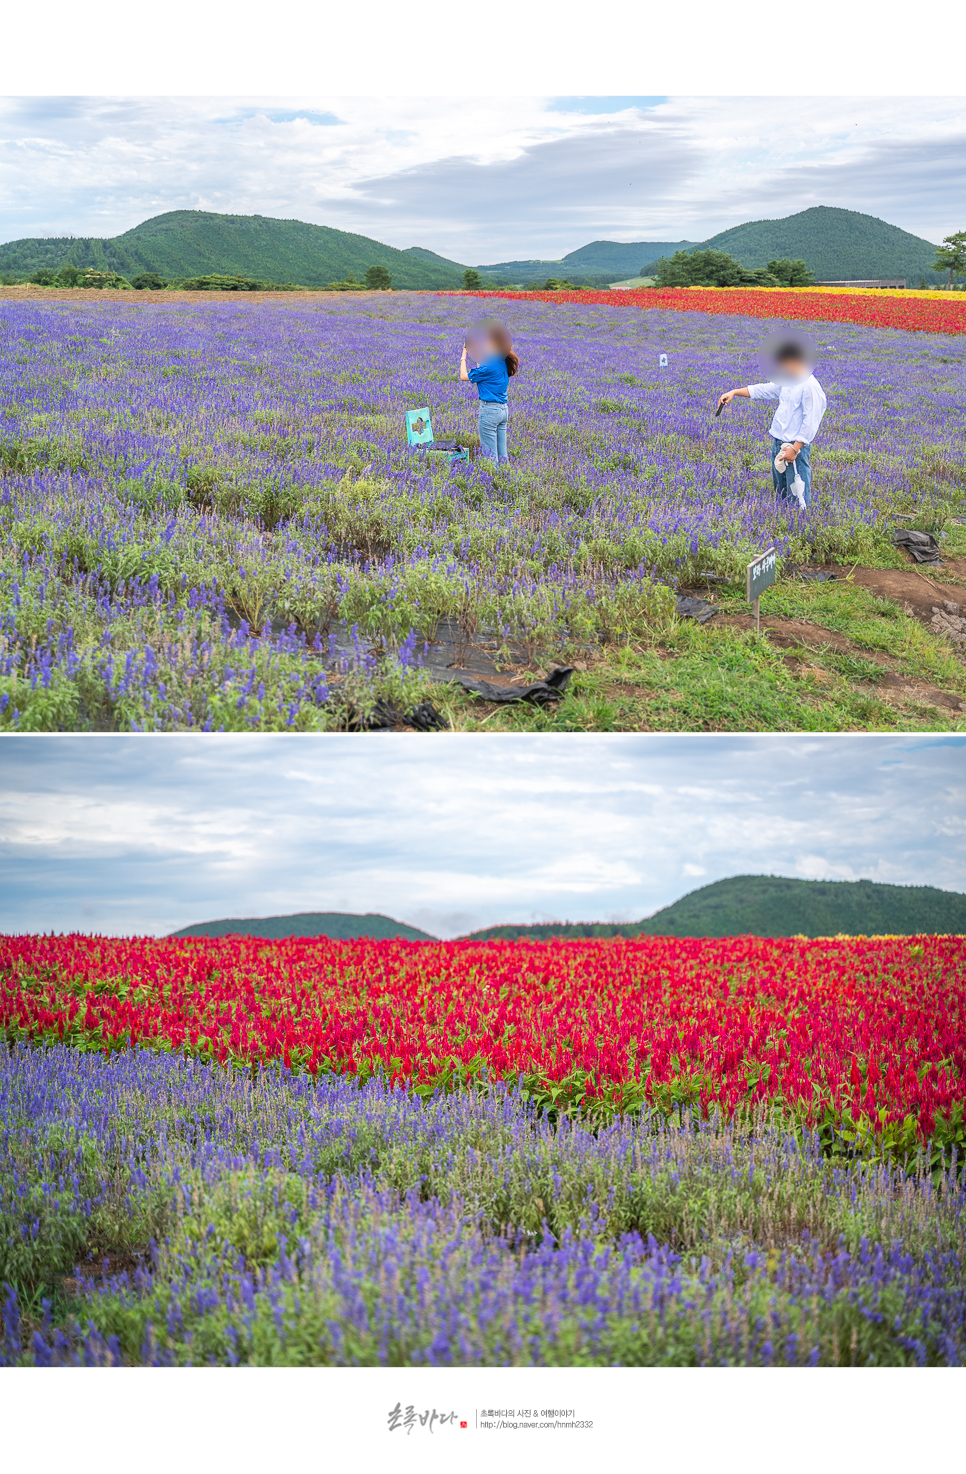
(958, 297)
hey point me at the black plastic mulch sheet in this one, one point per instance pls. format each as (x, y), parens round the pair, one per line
(690, 608)
(541, 693)
(451, 448)
(387, 718)
(384, 717)
(922, 545)
(425, 718)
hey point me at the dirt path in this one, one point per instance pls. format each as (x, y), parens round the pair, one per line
(798, 637)
(90, 297)
(920, 598)
(909, 587)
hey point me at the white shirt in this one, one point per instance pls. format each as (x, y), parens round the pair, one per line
(800, 408)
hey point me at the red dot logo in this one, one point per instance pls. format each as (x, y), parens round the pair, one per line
(463, 1423)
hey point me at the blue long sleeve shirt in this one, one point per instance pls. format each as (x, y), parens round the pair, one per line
(491, 379)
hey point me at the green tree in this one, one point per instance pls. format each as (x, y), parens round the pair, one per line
(104, 280)
(708, 269)
(951, 256)
(69, 275)
(218, 282)
(793, 273)
(378, 279)
(472, 280)
(148, 281)
(44, 277)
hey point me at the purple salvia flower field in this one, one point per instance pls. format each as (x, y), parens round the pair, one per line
(157, 1211)
(210, 512)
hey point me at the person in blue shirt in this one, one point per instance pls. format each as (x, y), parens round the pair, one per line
(492, 375)
(801, 405)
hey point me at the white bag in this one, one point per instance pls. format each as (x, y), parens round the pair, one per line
(798, 485)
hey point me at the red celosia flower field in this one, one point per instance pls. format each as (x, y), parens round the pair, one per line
(870, 1030)
(875, 309)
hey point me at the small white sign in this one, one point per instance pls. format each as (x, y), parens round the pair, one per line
(760, 574)
(662, 361)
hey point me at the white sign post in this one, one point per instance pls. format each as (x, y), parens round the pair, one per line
(760, 575)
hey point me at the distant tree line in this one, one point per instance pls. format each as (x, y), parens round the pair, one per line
(70, 275)
(684, 269)
(377, 279)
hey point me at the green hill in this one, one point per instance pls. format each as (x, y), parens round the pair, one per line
(744, 905)
(337, 925)
(186, 243)
(835, 245)
(592, 265)
(770, 906)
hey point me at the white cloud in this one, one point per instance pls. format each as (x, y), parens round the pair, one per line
(453, 832)
(73, 825)
(480, 179)
(820, 867)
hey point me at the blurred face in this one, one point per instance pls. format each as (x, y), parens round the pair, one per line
(793, 368)
(482, 342)
(787, 356)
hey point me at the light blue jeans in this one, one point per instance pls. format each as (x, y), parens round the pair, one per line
(493, 423)
(783, 480)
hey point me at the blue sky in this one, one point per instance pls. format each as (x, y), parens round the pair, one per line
(481, 179)
(451, 832)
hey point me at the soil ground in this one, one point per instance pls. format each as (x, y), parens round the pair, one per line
(85, 297)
